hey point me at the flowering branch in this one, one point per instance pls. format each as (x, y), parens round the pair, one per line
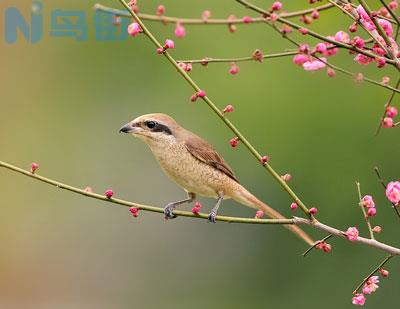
(201, 21)
(361, 203)
(314, 34)
(383, 183)
(393, 251)
(379, 267)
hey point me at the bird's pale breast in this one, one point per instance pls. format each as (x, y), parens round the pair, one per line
(189, 172)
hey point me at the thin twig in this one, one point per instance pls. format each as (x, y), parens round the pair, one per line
(371, 232)
(316, 244)
(217, 111)
(383, 183)
(238, 59)
(200, 21)
(373, 272)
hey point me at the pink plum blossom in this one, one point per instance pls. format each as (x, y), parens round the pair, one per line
(387, 122)
(362, 59)
(134, 29)
(358, 299)
(393, 192)
(180, 31)
(342, 36)
(391, 111)
(368, 201)
(352, 234)
(371, 285)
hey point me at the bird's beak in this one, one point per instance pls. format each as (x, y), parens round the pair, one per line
(128, 128)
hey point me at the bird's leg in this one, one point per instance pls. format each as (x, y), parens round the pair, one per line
(214, 211)
(168, 210)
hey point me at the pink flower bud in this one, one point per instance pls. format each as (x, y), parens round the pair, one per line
(299, 59)
(193, 98)
(134, 211)
(306, 19)
(377, 229)
(234, 142)
(88, 189)
(327, 248)
(109, 193)
(320, 48)
(205, 15)
(387, 122)
(384, 272)
(246, 19)
(293, 206)
(304, 48)
(134, 29)
(265, 159)
(180, 31)
(160, 10)
(196, 208)
(386, 81)
(353, 28)
(313, 210)
(352, 234)
(34, 167)
(286, 177)
(391, 111)
(160, 50)
(276, 6)
(331, 72)
(259, 214)
(393, 5)
(234, 69)
(228, 109)
(357, 42)
(393, 191)
(315, 14)
(303, 31)
(380, 62)
(169, 44)
(201, 94)
(371, 212)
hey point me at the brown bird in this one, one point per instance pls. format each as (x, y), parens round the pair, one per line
(194, 165)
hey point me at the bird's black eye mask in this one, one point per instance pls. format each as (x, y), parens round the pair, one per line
(157, 127)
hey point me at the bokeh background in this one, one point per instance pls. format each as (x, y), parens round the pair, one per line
(62, 103)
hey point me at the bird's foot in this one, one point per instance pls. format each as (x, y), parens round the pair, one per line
(168, 211)
(211, 217)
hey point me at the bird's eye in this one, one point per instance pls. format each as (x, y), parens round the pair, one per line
(151, 124)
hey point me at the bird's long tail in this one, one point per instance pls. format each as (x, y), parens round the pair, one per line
(246, 198)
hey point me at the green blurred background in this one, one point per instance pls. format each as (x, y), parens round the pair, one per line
(62, 103)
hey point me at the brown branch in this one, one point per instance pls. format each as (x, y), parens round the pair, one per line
(295, 220)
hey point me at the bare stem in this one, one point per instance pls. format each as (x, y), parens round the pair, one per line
(217, 111)
(200, 21)
(372, 272)
(295, 220)
(371, 232)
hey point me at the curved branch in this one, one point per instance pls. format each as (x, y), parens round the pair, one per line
(295, 220)
(116, 201)
(200, 21)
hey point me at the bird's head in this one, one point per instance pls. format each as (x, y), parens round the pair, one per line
(153, 128)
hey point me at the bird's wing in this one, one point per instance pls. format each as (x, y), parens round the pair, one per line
(204, 152)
